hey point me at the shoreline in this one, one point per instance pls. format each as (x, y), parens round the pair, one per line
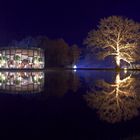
(58, 68)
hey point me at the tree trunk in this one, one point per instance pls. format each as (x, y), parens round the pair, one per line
(117, 58)
(118, 79)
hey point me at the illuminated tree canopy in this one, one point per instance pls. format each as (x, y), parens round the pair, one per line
(116, 36)
(115, 102)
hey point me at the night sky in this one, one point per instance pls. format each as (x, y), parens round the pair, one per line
(70, 20)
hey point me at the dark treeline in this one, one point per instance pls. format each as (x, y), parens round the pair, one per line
(58, 53)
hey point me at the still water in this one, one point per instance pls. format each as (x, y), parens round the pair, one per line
(70, 104)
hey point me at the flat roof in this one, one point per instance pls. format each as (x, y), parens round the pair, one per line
(28, 48)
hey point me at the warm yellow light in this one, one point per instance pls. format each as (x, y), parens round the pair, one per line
(35, 78)
(125, 70)
(3, 77)
(19, 78)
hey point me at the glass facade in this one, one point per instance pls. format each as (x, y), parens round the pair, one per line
(22, 58)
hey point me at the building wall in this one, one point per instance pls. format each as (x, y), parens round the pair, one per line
(21, 58)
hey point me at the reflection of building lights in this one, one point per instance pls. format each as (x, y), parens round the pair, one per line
(36, 62)
(19, 78)
(3, 77)
(75, 67)
(41, 76)
(32, 82)
(3, 61)
(35, 78)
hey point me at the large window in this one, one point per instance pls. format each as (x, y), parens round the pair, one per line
(22, 58)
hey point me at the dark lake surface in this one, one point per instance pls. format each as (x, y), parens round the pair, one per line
(70, 105)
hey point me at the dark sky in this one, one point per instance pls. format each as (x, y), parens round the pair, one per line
(66, 19)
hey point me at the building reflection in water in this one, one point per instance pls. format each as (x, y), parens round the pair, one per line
(56, 83)
(115, 102)
(21, 82)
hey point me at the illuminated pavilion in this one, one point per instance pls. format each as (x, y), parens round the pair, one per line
(21, 58)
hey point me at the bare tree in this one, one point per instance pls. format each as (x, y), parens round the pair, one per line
(116, 36)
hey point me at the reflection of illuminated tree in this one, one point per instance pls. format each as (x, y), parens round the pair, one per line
(115, 102)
